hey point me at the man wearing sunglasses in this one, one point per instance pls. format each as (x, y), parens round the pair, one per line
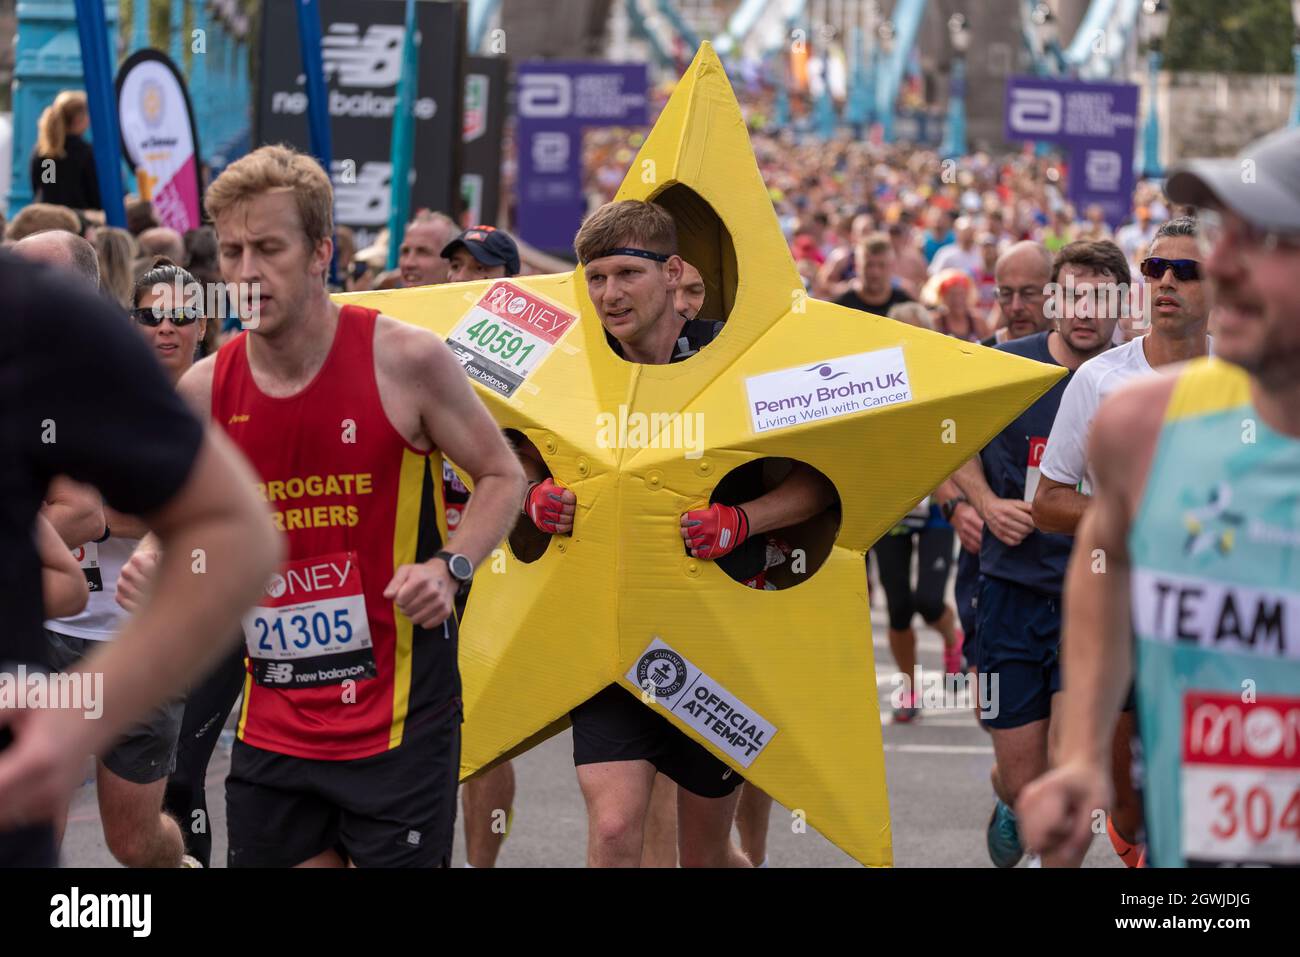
(1177, 312)
(1202, 574)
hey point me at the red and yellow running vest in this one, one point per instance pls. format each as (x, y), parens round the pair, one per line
(334, 671)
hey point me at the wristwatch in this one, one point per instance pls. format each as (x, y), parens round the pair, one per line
(461, 568)
(950, 506)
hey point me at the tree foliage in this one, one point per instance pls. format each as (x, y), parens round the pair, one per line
(1230, 36)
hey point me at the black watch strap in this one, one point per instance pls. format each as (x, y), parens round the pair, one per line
(460, 567)
(950, 506)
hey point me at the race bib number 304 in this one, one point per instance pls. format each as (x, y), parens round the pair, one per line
(311, 627)
(1241, 779)
(506, 335)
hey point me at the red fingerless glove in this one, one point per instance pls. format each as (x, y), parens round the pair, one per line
(542, 505)
(714, 531)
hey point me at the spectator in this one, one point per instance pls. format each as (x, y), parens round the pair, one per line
(63, 164)
(203, 263)
(40, 217)
(950, 294)
(162, 241)
(961, 253)
(117, 251)
(139, 215)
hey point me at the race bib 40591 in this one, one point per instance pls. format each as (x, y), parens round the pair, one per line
(311, 627)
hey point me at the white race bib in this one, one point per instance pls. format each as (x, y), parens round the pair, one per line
(311, 627)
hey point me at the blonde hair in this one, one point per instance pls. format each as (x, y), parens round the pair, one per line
(912, 313)
(272, 169)
(117, 251)
(40, 217)
(628, 222)
(52, 128)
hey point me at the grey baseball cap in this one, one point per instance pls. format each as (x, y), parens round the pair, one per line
(1261, 184)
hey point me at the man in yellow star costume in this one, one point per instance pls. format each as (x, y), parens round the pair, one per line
(545, 635)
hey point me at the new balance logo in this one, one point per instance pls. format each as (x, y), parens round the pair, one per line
(374, 60)
(280, 673)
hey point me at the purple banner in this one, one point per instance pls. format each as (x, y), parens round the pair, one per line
(1098, 124)
(555, 103)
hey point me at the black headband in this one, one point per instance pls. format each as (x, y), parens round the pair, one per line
(628, 251)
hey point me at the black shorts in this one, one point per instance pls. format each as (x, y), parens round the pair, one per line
(147, 751)
(1019, 648)
(395, 809)
(615, 726)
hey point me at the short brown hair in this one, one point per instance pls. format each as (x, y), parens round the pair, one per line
(629, 222)
(42, 217)
(876, 244)
(276, 168)
(1101, 256)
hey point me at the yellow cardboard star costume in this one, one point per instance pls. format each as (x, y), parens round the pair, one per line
(779, 684)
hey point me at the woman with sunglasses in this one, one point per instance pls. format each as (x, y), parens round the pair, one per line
(167, 309)
(164, 310)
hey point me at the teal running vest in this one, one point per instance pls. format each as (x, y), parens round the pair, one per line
(1215, 552)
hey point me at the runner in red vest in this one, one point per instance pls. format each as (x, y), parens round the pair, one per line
(349, 738)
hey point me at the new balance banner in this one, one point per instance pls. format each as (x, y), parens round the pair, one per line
(361, 45)
(484, 121)
(158, 136)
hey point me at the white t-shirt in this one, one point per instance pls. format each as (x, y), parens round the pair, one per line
(1066, 458)
(102, 565)
(953, 256)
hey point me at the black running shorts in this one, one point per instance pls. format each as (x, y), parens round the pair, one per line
(615, 726)
(395, 809)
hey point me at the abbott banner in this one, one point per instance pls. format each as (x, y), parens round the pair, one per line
(158, 136)
(361, 49)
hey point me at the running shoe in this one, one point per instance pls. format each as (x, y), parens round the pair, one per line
(1005, 849)
(907, 710)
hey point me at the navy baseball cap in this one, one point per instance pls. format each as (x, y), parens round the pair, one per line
(490, 246)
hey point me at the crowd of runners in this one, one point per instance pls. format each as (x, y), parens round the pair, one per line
(1124, 556)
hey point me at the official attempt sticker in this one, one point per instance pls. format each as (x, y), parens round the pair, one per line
(701, 702)
(506, 335)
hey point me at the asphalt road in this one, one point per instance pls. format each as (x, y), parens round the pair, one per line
(937, 770)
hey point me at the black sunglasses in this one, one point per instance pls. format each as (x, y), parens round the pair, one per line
(179, 317)
(1185, 270)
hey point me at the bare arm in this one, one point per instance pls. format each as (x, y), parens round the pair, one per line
(75, 510)
(1007, 518)
(803, 493)
(1058, 507)
(179, 634)
(460, 425)
(1057, 810)
(62, 583)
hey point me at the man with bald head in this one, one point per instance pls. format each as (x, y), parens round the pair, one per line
(63, 250)
(420, 258)
(162, 241)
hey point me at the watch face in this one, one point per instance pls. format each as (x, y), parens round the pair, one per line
(461, 567)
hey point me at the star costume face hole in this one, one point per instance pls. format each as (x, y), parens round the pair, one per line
(704, 241)
(784, 557)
